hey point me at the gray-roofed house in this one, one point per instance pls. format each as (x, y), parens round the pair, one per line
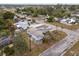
(5, 41)
(23, 24)
(37, 33)
(36, 36)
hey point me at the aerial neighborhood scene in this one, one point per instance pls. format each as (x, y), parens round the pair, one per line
(39, 30)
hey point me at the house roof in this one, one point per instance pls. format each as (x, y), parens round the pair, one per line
(68, 21)
(22, 24)
(37, 31)
(4, 41)
(38, 35)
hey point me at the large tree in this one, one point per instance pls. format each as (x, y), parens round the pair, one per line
(20, 43)
(6, 27)
(9, 51)
(8, 15)
(50, 19)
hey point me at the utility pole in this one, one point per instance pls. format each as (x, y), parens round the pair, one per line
(29, 43)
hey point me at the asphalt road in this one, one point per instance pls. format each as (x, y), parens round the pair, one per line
(62, 46)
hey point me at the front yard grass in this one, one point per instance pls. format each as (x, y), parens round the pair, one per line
(73, 51)
(71, 27)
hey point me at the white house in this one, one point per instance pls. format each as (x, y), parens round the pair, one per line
(72, 20)
(35, 35)
(36, 32)
(76, 13)
(22, 24)
(68, 21)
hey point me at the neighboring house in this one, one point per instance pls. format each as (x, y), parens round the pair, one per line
(69, 21)
(22, 17)
(5, 41)
(75, 13)
(23, 24)
(37, 32)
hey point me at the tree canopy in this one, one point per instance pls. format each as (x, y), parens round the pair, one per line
(8, 15)
(50, 19)
(20, 43)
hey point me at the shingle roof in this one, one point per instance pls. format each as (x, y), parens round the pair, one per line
(37, 32)
(38, 35)
(5, 41)
(22, 24)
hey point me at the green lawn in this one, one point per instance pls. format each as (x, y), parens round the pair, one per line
(73, 51)
(71, 27)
